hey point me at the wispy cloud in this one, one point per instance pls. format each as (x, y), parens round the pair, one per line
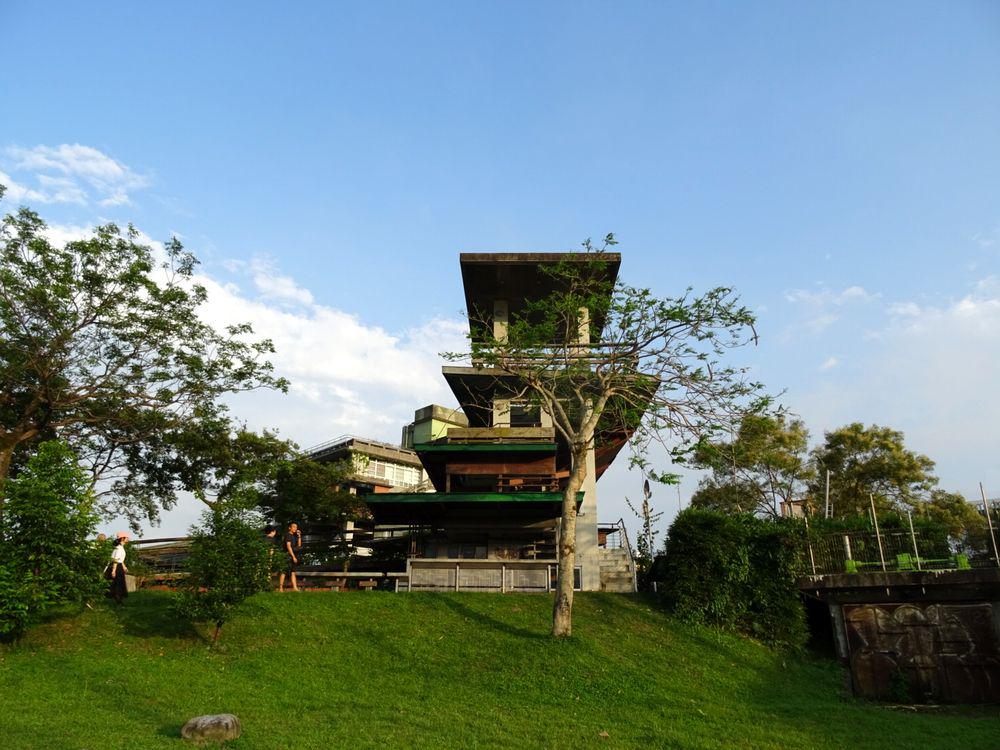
(830, 363)
(822, 308)
(828, 297)
(931, 371)
(68, 173)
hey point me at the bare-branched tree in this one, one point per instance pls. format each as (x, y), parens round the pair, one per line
(611, 363)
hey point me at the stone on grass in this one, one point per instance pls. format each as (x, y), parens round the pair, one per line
(214, 728)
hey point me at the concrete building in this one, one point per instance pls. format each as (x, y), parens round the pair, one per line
(498, 466)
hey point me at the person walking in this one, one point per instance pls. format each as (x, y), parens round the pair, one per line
(117, 589)
(292, 545)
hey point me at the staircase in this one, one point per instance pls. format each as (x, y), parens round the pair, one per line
(617, 565)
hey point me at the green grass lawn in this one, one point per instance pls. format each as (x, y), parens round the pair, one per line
(322, 670)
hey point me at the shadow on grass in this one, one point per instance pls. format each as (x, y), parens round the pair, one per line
(172, 730)
(151, 614)
(505, 627)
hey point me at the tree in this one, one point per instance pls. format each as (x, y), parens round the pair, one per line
(763, 465)
(951, 511)
(229, 561)
(646, 540)
(870, 461)
(44, 539)
(314, 495)
(101, 345)
(651, 371)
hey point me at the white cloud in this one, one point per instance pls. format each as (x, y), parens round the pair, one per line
(931, 371)
(904, 309)
(347, 375)
(68, 173)
(274, 286)
(828, 297)
(60, 234)
(822, 308)
(830, 363)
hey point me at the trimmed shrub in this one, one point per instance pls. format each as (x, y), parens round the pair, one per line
(736, 573)
(228, 562)
(14, 603)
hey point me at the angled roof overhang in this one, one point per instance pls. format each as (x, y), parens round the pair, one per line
(517, 278)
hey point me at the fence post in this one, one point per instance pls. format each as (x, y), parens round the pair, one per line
(812, 559)
(878, 536)
(913, 536)
(986, 507)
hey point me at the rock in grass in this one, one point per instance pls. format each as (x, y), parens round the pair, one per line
(214, 728)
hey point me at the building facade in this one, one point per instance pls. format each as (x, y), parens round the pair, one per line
(497, 466)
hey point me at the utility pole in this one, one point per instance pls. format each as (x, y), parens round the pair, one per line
(829, 510)
(989, 521)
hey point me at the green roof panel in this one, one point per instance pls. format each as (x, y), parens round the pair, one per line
(485, 447)
(468, 497)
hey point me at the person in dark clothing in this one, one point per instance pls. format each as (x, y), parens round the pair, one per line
(292, 547)
(116, 571)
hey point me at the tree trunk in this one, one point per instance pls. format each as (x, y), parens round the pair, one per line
(562, 607)
(6, 455)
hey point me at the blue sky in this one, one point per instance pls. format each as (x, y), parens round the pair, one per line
(839, 164)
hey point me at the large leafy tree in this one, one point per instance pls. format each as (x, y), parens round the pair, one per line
(871, 462)
(765, 464)
(101, 345)
(652, 371)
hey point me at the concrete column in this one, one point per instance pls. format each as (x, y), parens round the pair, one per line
(501, 316)
(501, 412)
(586, 522)
(583, 330)
(586, 529)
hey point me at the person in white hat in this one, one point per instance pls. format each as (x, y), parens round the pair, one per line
(117, 570)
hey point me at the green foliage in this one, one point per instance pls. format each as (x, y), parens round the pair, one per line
(737, 573)
(312, 494)
(229, 561)
(101, 343)
(763, 465)
(865, 461)
(47, 558)
(15, 601)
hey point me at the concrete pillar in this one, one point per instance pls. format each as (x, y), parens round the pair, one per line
(586, 522)
(501, 412)
(501, 316)
(586, 529)
(583, 330)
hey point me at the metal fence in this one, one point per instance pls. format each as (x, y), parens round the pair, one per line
(896, 550)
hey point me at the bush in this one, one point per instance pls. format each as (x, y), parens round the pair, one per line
(228, 562)
(46, 559)
(737, 573)
(14, 603)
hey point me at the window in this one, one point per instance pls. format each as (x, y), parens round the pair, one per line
(523, 414)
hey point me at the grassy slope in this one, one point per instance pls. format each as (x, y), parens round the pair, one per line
(420, 670)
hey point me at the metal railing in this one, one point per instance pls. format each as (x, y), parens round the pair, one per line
(336, 442)
(894, 550)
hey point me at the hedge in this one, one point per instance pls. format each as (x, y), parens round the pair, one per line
(737, 573)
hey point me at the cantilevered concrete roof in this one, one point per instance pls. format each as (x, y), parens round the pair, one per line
(516, 278)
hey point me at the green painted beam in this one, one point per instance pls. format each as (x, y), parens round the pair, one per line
(468, 497)
(485, 447)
